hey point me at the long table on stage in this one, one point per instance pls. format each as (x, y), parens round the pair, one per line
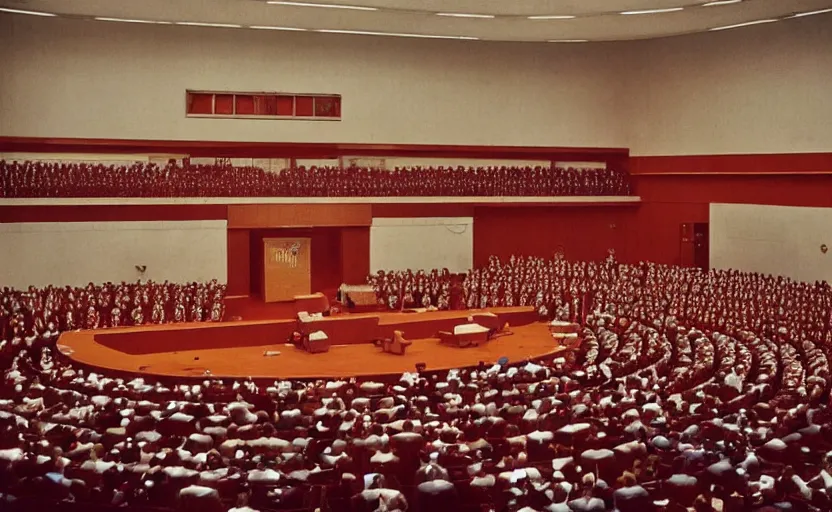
(236, 349)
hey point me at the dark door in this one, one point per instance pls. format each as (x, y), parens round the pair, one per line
(701, 245)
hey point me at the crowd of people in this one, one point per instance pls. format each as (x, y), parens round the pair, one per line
(61, 180)
(405, 289)
(35, 312)
(691, 390)
(723, 300)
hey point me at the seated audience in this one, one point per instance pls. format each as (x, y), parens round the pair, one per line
(693, 390)
(51, 179)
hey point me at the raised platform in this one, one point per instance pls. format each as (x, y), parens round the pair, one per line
(235, 349)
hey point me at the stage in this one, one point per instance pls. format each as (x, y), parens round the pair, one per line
(236, 349)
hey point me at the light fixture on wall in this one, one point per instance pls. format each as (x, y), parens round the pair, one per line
(823, 248)
(141, 268)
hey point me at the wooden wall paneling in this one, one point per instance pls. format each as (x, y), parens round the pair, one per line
(258, 216)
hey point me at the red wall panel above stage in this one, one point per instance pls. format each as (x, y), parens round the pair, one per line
(254, 216)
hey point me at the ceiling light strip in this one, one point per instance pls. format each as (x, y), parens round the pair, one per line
(810, 13)
(568, 41)
(325, 6)
(30, 13)
(393, 34)
(125, 20)
(269, 27)
(654, 11)
(465, 15)
(205, 24)
(552, 17)
(747, 24)
(721, 2)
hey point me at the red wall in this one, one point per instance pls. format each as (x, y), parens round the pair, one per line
(780, 163)
(674, 190)
(580, 232)
(355, 254)
(239, 262)
(647, 231)
(777, 189)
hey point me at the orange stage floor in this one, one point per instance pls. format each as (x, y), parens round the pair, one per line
(235, 349)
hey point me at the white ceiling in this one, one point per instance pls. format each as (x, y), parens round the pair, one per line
(595, 20)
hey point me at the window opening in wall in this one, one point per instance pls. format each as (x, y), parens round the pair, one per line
(263, 105)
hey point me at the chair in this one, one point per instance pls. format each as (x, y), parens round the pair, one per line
(397, 345)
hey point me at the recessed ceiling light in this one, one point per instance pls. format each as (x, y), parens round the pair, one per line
(266, 27)
(464, 15)
(568, 41)
(738, 25)
(326, 6)
(20, 11)
(123, 20)
(654, 11)
(721, 2)
(552, 17)
(811, 13)
(202, 24)
(394, 34)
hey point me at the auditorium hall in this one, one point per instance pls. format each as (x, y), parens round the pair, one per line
(415, 255)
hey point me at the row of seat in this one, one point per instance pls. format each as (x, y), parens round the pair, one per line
(49, 179)
(28, 314)
(662, 407)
